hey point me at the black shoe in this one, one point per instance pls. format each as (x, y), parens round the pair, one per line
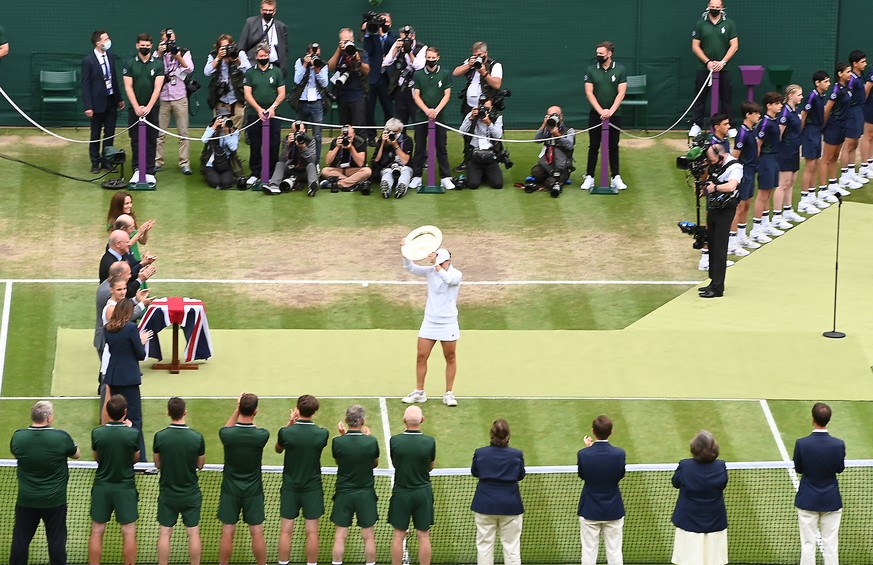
(530, 187)
(313, 188)
(711, 294)
(555, 191)
(461, 167)
(365, 188)
(704, 288)
(95, 169)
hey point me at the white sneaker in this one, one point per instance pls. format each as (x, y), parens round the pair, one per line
(867, 172)
(847, 181)
(150, 179)
(773, 231)
(618, 183)
(694, 131)
(729, 263)
(744, 241)
(587, 183)
(760, 237)
(838, 189)
(827, 196)
(415, 397)
(781, 224)
(703, 265)
(251, 180)
(859, 178)
(732, 133)
(809, 207)
(792, 216)
(447, 184)
(738, 252)
(415, 183)
(449, 399)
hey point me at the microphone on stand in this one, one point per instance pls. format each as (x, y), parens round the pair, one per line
(833, 333)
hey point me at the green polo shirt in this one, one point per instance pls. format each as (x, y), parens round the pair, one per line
(42, 454)
(412, 453)
(606, 83)
(265, 84)
(243, 453)
(431, 87)
(303, 443)
(715, 38)
(354, 453)
(144, 76)
(179, 447)
(115, 444)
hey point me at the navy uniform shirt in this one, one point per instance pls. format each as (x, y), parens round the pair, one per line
(869, 101)
(748, 146)
(768, 133)
(814, 109)
(859, 93)
(791, 135)
(715, 140)
(841, 96)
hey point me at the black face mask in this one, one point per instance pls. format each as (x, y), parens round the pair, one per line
(431, 64)
(386, 29)
(601, 59)
(715, 13)
(144, 50)
(267, 17)
(263, 62)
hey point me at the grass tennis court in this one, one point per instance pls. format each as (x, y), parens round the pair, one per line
(542, 355)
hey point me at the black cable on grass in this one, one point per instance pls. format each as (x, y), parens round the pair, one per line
(51, 172)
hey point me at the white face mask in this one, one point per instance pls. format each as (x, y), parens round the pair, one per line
(107, 45)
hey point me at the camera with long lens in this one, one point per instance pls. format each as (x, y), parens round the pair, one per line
(349, 48)
(696, 163)
(552, 121)
(170, 43)
(231, 50)
(396, 170)
(339, 78)
(222, 122)
(392, 135)
(374, 22)
(313, 55)
(406, 35)
(696, 231)
(498, 101)
(345, 140)
(478, 61)
(222, 89)
(504, 158)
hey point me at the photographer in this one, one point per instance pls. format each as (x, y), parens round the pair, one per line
(350, 67)
(264, 89)
(391, 160)
(227, 66)
(556, 158)
(221, 140)
(482, 157)
(484, 76)
(378, 39)
(721, 189)
(310, 98)
(346, 161)
(297, 158)
(405, 57)
(174, 96)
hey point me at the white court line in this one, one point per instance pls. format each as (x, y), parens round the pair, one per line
(337, 282)
(386, 432)
(4, 328)
(777, 437)
(381, 398)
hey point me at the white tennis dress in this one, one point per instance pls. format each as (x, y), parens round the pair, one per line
(441, 311)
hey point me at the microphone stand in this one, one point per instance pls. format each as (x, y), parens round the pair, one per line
(834, 334)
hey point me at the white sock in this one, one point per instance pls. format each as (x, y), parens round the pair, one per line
(732, 241)
(851, 168)
(765, 219)
(741, 230)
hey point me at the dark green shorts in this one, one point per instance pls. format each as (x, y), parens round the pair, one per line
(360, 503)
(415, 503)
(171, 505)
(291, 500)
(106, 498)
(252, 509)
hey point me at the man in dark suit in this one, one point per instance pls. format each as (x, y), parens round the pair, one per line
(819, 457)
(118, 249)
(101, 95)
(377, 43)
(265, 28)
(601, 466)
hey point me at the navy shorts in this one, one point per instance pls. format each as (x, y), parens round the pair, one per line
(788, 159)
(768, 172)
(810, 142)
(868, 113)
(855, 122)
(835, 132)
(747, 185)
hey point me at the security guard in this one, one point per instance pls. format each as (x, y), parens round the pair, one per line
(264, 90)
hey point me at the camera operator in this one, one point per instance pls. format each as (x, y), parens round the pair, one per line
(266, 28)
(296, 159)
(215, 161)
(227, 66)
(178, 64)
(556, 158)
(346, 161)
(725, 174)
(391, 160)
(310, 98)
(484, 122)
(350, 66)
(264, 90)
(378, 39)
(405, 57)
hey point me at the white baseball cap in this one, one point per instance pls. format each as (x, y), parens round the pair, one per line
(442, 255)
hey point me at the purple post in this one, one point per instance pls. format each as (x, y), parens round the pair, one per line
(141, 158)
(713, 93)
(265, 149)
(604, 154)
(431, 153)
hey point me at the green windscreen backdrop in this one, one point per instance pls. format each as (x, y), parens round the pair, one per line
(544, 46)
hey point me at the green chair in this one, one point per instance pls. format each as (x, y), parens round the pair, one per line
(58, 88)
(636, 87)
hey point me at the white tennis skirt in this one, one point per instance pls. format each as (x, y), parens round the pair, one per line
(440, 332)
(693, 548)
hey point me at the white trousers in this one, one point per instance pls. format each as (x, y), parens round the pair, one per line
(487, 526)
(815, 524)
(589, 533)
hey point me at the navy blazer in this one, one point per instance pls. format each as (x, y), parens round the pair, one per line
(498, 469)
(126, 351)
(93, 84)
(108, 259)
(700, 507)
(376, 50)
(819, 457)
(601, 466)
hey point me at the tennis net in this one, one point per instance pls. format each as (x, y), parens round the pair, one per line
(760, 501)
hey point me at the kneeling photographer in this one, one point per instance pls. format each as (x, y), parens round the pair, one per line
(482, 158)
(390, 162)
(722, 196)
(219, 163)
(296, 160)
(556, 157)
